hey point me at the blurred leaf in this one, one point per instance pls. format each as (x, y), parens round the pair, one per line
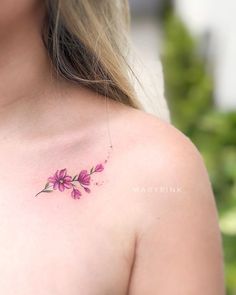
(228, 222)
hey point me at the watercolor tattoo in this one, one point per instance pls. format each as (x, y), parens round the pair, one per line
(77, 184)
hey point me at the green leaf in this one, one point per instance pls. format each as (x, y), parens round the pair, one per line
(74, 178)
(47, 190)
(47, 185)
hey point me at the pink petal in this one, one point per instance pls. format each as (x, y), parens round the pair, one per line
(55, 185)
(75, 194)
(52, 179)
(78, 193)
(99, 168)
(67, 178)
(57, 175)
(67, 184)
(86, 180)
(87, 189)
(83, 173)
(84, 177)
(61, 187)
(62, 173)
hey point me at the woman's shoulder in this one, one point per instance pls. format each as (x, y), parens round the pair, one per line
(160, 165)
(172, 203)
(145, 138)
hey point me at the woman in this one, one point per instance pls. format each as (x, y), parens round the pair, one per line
(97, 197)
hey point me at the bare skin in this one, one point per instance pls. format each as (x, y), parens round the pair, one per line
(150, 228)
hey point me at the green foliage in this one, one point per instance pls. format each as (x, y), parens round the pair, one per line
(189, 89)
(186, 77)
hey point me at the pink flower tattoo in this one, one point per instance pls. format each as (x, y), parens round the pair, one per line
(62, 181)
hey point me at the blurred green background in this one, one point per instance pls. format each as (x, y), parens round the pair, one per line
(189, 89)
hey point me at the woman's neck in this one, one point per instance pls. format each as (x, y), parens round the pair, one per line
(26, 73)
(34, 101)
(24, 67)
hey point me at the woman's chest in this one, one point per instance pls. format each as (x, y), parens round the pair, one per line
(56, 245)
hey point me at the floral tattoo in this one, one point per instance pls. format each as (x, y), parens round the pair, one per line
(79, 183)
(62, 181)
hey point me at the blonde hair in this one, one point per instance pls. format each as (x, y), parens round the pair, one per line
(87, 43)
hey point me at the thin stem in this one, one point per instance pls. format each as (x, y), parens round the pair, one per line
(43, 190)
(39, 193)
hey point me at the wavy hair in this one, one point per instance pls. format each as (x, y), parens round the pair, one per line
(87, 43)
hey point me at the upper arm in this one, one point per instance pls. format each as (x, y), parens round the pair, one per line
(178, 244)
